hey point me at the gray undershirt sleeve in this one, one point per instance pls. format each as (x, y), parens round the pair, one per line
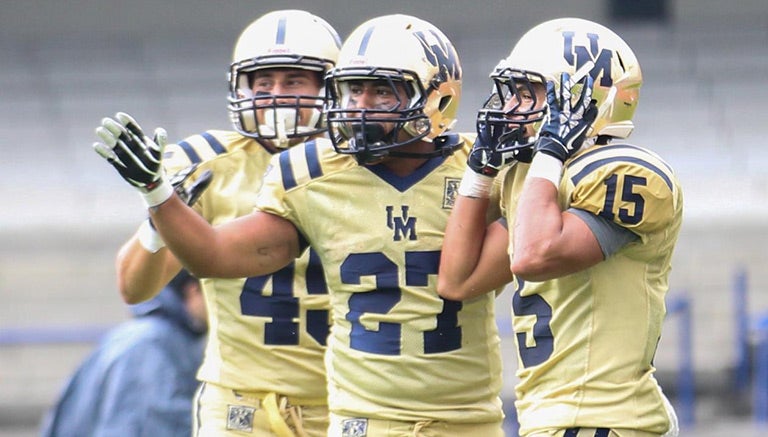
(610, 236)
(503, 222)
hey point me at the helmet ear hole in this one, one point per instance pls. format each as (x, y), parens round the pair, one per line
(444, 102)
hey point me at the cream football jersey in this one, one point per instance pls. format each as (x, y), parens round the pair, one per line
(266, 333)
(397, 350)
(587, 340)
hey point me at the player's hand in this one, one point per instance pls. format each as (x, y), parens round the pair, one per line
(135, 156)
(484, 158)
(563, 133)
(193, 192)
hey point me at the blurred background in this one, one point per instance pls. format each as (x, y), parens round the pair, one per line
(66, 64)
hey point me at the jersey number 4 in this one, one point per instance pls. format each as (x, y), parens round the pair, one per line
(282, 307)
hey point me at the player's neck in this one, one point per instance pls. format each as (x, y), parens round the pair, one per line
(405, 166)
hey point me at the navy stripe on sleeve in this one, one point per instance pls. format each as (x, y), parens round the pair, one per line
(289, 181)
(194, 158)
(214, 143)
(313, 163)
(600, 162)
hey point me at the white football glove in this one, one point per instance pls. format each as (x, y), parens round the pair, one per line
(135, 156)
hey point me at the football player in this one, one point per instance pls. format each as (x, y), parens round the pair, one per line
(263, 369)
(373, 203)
(592, 223)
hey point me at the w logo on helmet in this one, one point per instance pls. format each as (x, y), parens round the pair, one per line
(441, 54)
(580, 55)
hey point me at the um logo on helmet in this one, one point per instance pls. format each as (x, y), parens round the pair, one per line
(441, 54)
(580, 55)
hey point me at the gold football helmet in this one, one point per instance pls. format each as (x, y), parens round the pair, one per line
(565, 45)
(417, 63)
(280, 39)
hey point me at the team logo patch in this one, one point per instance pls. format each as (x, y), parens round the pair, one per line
(404, 226)
(450, 191)
(240, 418)
(354, 428)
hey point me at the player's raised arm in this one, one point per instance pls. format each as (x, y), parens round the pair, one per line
(253, 245)
(548, 242)
(474, 257)
(141, 274)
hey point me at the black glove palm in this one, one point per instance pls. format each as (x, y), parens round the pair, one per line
(484, 158)
(135, 156)
(563, 133)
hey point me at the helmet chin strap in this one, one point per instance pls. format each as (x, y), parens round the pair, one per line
(369, 135)
(373, 135)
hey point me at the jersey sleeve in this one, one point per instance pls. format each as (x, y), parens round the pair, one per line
(194, 150)
(634, 190)
(271, 196)
(286, 172)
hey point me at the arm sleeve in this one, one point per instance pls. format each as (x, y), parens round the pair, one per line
(610, 235)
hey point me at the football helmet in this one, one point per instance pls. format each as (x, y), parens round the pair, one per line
(565, 45)
(418, 65)
(280, 39)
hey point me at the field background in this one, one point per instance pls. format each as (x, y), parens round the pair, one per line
(66, 64)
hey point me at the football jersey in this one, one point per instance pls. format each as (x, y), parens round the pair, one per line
(586, 341)
(266, 333)
(397, 350)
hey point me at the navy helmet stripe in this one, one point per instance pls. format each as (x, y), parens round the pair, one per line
(194, 158)
(214, 143)
(364, 42)
(281, 31)
(601, 162)
(602, 432)
(571, 432)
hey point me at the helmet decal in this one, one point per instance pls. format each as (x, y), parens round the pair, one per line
(600, 57)
(441, 54)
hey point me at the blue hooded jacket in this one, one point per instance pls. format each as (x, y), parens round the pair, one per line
(139, 381)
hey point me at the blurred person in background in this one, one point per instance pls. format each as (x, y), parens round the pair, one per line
(263, 370)
(140, 380)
